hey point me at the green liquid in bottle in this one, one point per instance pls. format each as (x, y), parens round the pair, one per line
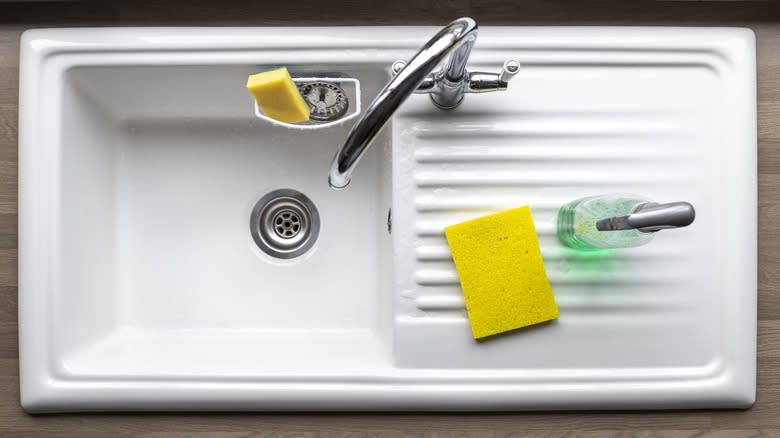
(577, 222)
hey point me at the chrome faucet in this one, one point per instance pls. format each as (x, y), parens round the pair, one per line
(446, 88)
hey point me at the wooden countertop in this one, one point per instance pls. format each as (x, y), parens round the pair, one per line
(762, 16)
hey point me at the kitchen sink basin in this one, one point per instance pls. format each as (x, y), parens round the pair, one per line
(158, 176)
(141, 286)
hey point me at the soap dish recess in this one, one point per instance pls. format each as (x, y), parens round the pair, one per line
(351, 87)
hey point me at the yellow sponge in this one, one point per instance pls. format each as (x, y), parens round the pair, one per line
(501, 272)
(278, 96)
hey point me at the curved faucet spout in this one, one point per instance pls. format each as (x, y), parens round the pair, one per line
(456, 39)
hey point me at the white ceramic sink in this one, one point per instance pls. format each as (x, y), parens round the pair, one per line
(141, 287)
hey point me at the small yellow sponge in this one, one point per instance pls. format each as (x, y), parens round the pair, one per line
(501, 272)
(278, 96)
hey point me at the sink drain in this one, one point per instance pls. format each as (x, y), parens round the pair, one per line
(287, 224)
(284, 223)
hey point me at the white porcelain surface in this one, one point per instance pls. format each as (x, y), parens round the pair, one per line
(140, 287)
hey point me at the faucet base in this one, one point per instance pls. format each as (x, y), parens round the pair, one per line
(448, 105)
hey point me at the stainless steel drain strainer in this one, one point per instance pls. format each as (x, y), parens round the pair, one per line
(284, 223)
(287, 224)
(326, 100)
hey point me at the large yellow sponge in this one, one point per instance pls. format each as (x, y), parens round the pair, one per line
(278, 96)
(501, 272)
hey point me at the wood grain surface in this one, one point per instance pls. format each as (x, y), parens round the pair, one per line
(762, 16)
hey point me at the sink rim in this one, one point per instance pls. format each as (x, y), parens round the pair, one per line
(53, 51)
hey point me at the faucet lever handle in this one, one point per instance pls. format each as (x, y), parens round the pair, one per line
(509, 70)
(398, 66)
(480, 82)
(426, 86)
